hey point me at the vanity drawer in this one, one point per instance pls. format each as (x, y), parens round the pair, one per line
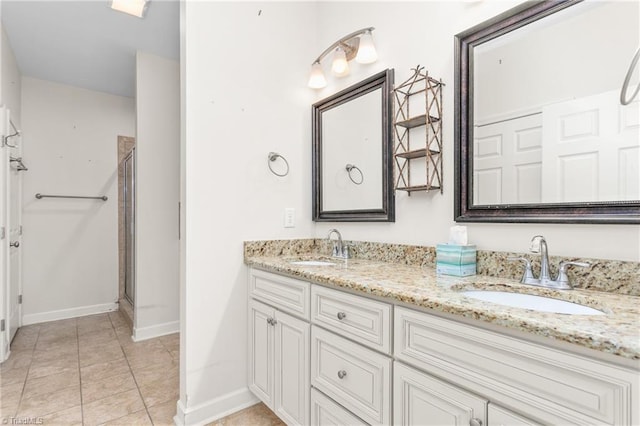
(287, 294)
(326, 412)
(538, 381)
(355, 377)
(363, 320)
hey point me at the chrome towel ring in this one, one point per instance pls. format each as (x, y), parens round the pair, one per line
(349, 168)
(627, 79)
(273, 156)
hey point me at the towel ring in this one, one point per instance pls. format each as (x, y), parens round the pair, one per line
(627, 79)
(273, 156)
(349, 168)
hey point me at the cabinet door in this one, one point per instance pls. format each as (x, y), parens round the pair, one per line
(292, 388)
(261, 351)
(499, 416)
(419, 399)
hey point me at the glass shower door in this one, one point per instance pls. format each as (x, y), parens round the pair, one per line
(129, 227)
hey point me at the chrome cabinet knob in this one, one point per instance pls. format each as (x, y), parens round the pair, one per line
(475, 422)
(15, 244)
(341, 315)
(342, 374)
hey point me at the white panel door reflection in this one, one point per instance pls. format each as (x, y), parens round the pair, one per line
(591, 150)
(507, 161)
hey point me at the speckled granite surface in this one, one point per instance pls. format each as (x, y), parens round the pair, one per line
(407, 274)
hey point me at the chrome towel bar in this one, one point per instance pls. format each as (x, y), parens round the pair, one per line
(103, 197)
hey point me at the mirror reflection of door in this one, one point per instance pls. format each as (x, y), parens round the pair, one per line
(129, 223)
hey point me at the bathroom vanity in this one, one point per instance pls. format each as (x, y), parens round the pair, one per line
(334, 341)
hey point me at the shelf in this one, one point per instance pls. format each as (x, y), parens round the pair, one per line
(417, 121)
(418, 153)
(417, 188)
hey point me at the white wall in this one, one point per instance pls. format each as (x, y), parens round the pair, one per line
(70, 247)
(156, 308)
(246, 69)
(11, 81)
(423, 33)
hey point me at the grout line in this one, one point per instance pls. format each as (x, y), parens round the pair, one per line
(79, 373)
(24, 382)
(126, 358)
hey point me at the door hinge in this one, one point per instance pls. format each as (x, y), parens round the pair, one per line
(2, 325)
(20, 229)
(2, 233)
(20, 300)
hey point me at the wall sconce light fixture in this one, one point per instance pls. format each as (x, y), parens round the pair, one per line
(358, 45)
(132, 7)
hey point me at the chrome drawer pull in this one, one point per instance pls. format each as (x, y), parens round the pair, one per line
(475, 422)
(342, 374)
(271, 321)
(341, 315)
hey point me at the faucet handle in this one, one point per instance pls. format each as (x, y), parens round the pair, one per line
(527, 276)
(563, 278)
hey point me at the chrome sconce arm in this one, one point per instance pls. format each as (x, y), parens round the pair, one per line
(358, 45)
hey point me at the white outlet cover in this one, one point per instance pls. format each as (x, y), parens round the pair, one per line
(289, 218)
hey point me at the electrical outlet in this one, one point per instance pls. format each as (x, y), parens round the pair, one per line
(289, 217)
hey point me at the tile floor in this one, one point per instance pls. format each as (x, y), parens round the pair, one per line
(88, 371)
(257, 415)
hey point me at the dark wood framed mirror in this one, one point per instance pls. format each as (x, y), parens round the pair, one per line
(352, 153)
(540, 133)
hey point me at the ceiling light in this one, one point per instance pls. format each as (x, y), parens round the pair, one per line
(132, 7)
(358, 45)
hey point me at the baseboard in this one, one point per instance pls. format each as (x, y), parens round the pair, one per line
(68, 313)
(145, 333)
(214, 409)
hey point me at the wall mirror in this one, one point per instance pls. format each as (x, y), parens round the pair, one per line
(541, 134)
(352, 151)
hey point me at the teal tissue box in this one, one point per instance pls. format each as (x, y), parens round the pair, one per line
(456, 260)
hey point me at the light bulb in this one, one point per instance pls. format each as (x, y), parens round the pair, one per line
(316, 78)
(366, 51)
(340, 66)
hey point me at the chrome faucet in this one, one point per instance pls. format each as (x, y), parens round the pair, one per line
(562, 282)
(339, 250)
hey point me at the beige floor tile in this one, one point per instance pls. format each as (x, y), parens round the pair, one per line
(117, 320)
(69, 417)
(56, 352)
(50, 367)
(24, 341)
(112, 407)
(139, 418)
(18, 359)
(13, 375)
(124, 335)
(147, 374)
(55, 326)
(171, 342)
(93, 390)
(162, 414)
(134, 349)
(107, 335)
(257, 415)
(101, 354)
(51, 402)
(56, 341)
(160, 391)
(104, 369)
(48, 384)
(151, 358)
(175, 355)
(9, 399)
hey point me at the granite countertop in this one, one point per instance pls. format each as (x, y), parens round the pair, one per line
(617, 332)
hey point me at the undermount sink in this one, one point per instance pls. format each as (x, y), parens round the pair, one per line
(312, 263)
(528, 301)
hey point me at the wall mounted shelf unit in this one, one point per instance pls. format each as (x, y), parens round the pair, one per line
(418, 114)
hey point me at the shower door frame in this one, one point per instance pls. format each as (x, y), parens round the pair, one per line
(129, 226)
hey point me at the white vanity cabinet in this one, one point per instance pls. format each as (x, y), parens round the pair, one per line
(538, 382)
(279, 345)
